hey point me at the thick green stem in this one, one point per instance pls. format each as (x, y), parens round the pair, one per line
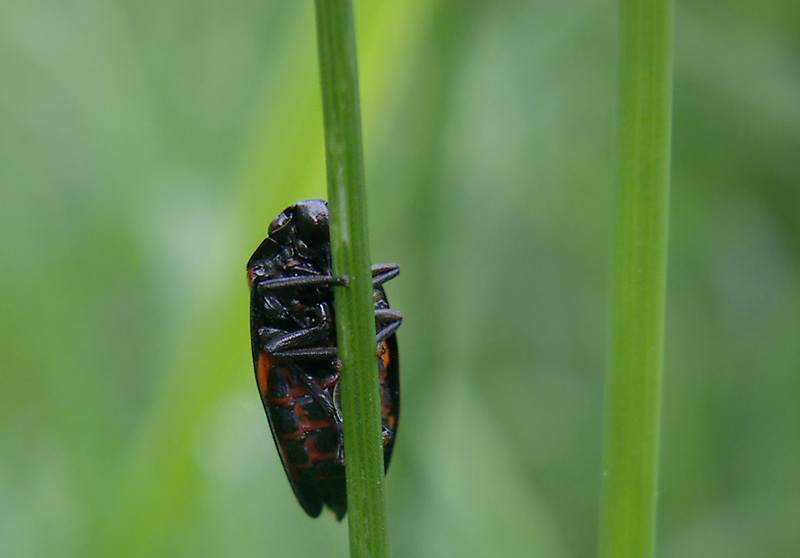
(355, 319)
(633, 383)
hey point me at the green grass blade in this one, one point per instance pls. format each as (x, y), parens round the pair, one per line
(633, 383)
(355, 320)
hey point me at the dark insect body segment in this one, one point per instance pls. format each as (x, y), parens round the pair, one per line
(293, 335)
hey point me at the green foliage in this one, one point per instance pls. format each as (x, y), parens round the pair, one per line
(144, 149)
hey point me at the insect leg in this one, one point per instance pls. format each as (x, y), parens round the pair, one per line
(321, 353)
(299, 282)
(273, 343)
(384, 272)
(383, 315)
(325, 401)
(295, 345)
(387, 322)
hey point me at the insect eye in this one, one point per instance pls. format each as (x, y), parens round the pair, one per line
(254, 273)
(279, 223)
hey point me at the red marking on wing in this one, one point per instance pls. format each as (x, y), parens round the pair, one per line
(307, 426)
(385, 356)
(262, 373)
(383, 372)
(314, 454)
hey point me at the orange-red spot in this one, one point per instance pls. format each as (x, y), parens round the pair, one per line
(385, 357)
(300, 414)
(316, 424)
(306, 426)
(262, 373)
(314, 454)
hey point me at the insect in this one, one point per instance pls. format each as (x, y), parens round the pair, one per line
(293, 337)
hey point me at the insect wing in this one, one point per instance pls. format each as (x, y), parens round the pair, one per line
(388, 366)
(308, 498)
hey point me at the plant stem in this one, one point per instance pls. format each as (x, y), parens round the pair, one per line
(633, 382)
(355, 318)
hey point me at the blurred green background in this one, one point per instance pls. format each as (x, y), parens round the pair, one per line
(144, 148)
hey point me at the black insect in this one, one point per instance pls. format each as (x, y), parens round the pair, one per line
(293, 335)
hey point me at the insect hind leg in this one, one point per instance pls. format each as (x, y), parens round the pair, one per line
(326, 401)
(275, 342)
(387, 321)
